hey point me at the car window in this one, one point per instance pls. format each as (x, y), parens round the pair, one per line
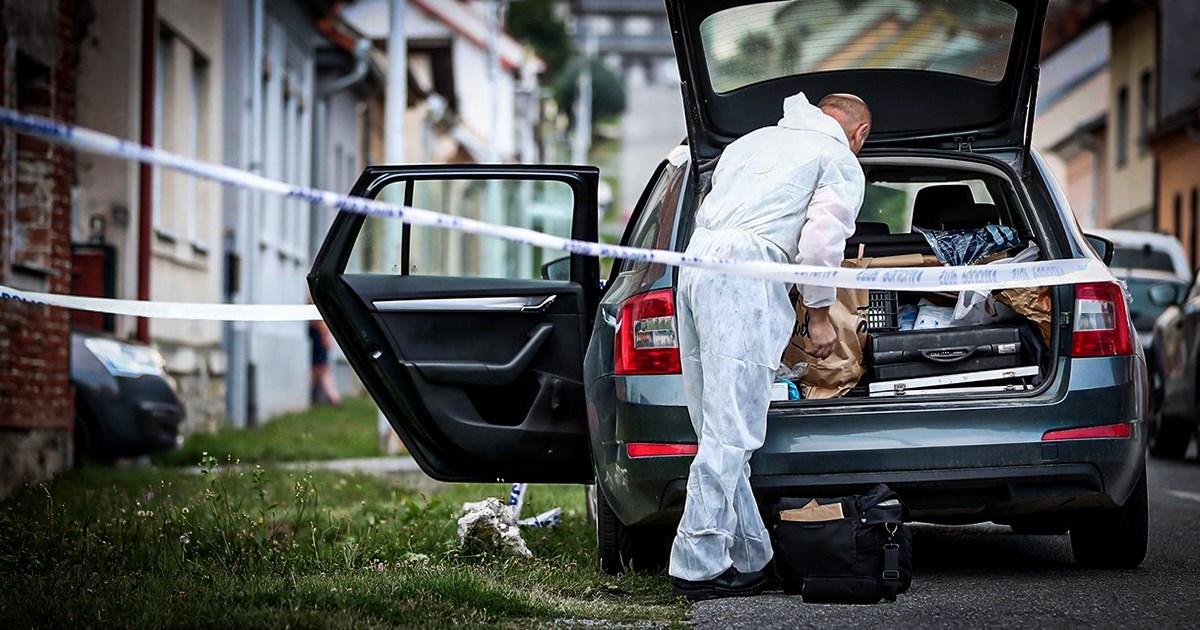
(758, 42)
(893, 202)
(385, 245)
(1142, 258)
(653, 226)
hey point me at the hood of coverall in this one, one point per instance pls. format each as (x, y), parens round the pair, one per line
(798, 113)
(975, 88)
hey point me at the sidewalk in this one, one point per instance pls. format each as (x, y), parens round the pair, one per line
(402, 467)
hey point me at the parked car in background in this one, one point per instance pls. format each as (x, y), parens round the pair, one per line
(1153, 264)
(125, 402)
(1135, 251)
(488, 371)
(1143, 260)
(1176, 363)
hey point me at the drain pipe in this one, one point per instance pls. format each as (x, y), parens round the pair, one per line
(362, 57)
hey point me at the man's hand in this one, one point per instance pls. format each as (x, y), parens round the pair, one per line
(821, 334)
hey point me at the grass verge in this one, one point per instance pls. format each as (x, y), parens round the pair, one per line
(256, 548)
(316, 434)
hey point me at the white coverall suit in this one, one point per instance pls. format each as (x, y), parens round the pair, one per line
(784, 193)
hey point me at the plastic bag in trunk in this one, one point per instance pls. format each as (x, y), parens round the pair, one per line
(966, 247)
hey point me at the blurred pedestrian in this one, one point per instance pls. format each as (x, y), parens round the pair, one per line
(321, 379)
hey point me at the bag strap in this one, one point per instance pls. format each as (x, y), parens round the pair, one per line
(891, 565)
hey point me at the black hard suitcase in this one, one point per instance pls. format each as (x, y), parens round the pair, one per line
(917, 353)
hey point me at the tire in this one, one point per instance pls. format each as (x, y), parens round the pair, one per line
(632, 549)
(84, 439)
(1113, 538)
(1170, 438)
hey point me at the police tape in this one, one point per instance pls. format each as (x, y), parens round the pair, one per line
(169, 310)
(961, 278)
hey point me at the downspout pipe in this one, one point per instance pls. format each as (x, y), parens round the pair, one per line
(145, 171)
(362, 63)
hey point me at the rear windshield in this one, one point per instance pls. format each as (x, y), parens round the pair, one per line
(1141, 258)
(759, 42)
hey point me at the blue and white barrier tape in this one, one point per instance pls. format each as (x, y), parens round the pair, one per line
(980, 278)
(169, 310)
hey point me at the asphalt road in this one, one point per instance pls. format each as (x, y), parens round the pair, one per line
(986, 576)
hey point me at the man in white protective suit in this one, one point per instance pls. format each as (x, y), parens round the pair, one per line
(785, 193)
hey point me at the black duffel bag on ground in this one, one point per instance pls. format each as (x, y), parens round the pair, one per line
(852, 550)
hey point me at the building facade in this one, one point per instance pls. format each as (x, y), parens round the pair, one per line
(1071, 122)
(170, 96)
(633, 37)
(268, 238)
(38, 57)
(1131, 106)
(1175, 140)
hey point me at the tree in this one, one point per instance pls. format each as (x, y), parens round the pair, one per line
(608, 91)
(536, 23)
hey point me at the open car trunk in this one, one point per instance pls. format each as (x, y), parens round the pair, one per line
(894, 345)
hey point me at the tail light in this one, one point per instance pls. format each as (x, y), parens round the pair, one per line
(1101, 321)
(647, 342)
(1122, 430)
(648, 449)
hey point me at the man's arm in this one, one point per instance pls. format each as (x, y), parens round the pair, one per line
(832, 213)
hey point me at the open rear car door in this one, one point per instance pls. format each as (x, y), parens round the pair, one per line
(472, 347)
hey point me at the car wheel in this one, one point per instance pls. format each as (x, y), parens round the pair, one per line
(83, 438)
(1170, 438)
(622, 548)
(1113, 538)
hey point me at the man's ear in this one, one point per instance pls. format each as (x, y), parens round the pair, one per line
(864, 130)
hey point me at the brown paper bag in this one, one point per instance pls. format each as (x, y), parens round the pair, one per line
(1033, 303)
(813, 513)
(837, 374)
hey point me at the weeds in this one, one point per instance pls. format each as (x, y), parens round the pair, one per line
(271, 547)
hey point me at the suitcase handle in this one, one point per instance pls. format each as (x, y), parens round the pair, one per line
(949, 355)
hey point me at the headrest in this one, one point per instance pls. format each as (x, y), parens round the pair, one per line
(977, 216)
(936, 205)
(871, 228)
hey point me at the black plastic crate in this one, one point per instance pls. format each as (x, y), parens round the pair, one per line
(882, 312)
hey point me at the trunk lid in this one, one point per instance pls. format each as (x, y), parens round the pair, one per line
(939, 74)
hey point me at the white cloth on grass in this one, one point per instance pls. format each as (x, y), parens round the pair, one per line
(786, 192)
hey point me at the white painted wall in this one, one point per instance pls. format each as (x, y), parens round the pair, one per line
(109, 102)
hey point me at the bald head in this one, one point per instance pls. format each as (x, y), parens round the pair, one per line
(852, 113)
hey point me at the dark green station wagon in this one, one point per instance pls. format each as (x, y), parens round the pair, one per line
(494, 361)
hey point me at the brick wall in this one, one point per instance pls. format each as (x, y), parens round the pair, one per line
(37, 58)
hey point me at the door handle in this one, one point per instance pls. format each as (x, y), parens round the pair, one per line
(481, 373)
(540, 307)
(522, 304)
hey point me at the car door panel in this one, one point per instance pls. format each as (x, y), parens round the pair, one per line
(480, 376)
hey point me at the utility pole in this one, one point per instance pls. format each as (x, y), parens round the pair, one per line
(494, 254)
(395, 105)
(583, 101)
(396, 102)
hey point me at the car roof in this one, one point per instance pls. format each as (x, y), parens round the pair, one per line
(1165, 243)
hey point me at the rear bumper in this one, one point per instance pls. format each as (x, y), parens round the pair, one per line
(951, 462)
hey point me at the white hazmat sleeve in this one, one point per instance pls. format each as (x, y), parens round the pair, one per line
(832, 213)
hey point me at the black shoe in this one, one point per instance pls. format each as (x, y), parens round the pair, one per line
(731, 583)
